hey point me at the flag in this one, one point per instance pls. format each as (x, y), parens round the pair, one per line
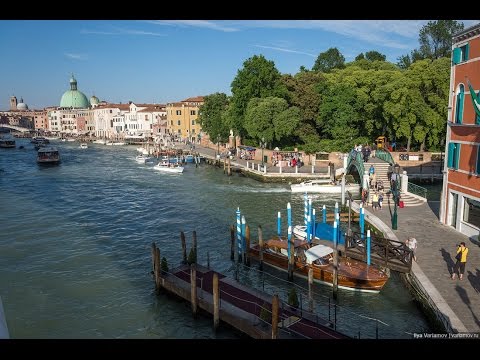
(475, 99)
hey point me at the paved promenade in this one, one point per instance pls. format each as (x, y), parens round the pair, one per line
(436, 251)
(458, 300)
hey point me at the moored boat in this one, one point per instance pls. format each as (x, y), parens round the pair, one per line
(352, 274)
(323, 186)
(167, 166)
(7, 142)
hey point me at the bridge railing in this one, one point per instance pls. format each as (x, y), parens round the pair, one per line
(384, 155)
(358, 158)
(417, 190)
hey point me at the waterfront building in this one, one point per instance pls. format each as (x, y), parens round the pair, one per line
(460, 201)
(20, 115)
(182, 118)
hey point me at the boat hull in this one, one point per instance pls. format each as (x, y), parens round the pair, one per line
(366, 279)
(325, 189)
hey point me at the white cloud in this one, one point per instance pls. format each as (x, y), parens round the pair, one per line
(120, 31)
(217, 25)
(284, 50)
(76, 56)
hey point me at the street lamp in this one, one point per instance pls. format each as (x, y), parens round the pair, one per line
(396, 196)
(262, 145)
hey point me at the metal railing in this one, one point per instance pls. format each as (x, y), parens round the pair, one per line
(384, 155)
(417, 190)
(358, 158)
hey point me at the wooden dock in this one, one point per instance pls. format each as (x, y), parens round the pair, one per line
(255, 313)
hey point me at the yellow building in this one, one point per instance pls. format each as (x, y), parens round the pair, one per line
(182, 118)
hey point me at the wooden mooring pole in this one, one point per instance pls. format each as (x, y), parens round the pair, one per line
(275, 316)
(157, 270)
(246, 257)
(232, 242)
(216, 302)
(184, 247)
(193, 287)
(310, 289)
(260, 246)
(194, 245)
(290, 259)
(154, 251)
(229, 169)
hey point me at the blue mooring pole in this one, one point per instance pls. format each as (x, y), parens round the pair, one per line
(362, 221)
(368, 247)
(324, 214)
(279, 224)
(305, 208)
(313, 224)
(239, 232)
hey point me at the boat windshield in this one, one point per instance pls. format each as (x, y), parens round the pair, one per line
(316, 252)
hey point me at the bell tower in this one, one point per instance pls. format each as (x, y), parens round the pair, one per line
(13, 103)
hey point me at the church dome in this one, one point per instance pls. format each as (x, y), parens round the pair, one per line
(21, 105)
(94, 100)
(74, 98)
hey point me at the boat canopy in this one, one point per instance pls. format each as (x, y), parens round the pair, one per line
(317, 252)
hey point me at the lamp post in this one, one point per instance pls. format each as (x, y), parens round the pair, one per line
(395, 194)
(262, 145)
(218, 146)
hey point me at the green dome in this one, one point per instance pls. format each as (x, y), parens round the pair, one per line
(74, 98)
(94, 100)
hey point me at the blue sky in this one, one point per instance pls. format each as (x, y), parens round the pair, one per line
(167, 60)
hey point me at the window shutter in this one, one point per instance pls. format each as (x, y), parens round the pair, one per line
(457, 156)
(457, 54)
(477, 170)
(467, 50)
(451, 149)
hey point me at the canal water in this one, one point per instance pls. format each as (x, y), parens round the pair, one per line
(75, 247)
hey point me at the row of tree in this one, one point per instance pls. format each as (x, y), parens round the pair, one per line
(336, 104)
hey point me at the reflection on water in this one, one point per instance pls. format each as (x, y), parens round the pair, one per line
(75, 246)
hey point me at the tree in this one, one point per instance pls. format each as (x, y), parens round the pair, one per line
(212, 116)
(259, 78)
(360, 57)
(404, 62)
(328, 60)
(435, 38)
(374, 56)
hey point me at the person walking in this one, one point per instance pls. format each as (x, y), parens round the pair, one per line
(461, 257)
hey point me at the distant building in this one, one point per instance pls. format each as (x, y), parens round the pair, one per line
(182, 118)
(460, 201)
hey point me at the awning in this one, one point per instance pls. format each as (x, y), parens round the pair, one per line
(317, 252)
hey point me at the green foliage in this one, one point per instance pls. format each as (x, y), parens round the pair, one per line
(164, 265)
(293, 298)
(259, 78)
(212, 116)
(374, 56)
(266, 313)
(360, 57)
(435, 38)
(329, 60)
(192, 257)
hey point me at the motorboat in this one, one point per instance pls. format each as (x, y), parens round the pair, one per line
(352, 274)
(83, 146)
(48, 155)
(7, 142)
(114, 143)
(324, 186)
(167, 166)
(142, 159)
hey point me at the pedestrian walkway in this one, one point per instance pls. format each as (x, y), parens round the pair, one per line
(436, 249)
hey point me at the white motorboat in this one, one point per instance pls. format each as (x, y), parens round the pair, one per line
(324, 186)
(48, 155)
(115, 143)
(7, 142)
(83, 146)
(142, 159)
(100, 141)
(167, 166)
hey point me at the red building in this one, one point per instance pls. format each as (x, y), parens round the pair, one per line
(460, 201)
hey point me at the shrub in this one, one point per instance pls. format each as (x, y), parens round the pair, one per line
(293, 298)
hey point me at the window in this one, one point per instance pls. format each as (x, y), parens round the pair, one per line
(193, 122)
(178, 122)
(179, 131)
(471, 211)
(453, 155)
(179, 112)
(171, 122)
(459, 106)
(110, 111)
(460, 54)
(192, 112)
(477, 167)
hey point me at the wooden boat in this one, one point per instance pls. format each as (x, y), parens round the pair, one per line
(323, 186)
(352, 274)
